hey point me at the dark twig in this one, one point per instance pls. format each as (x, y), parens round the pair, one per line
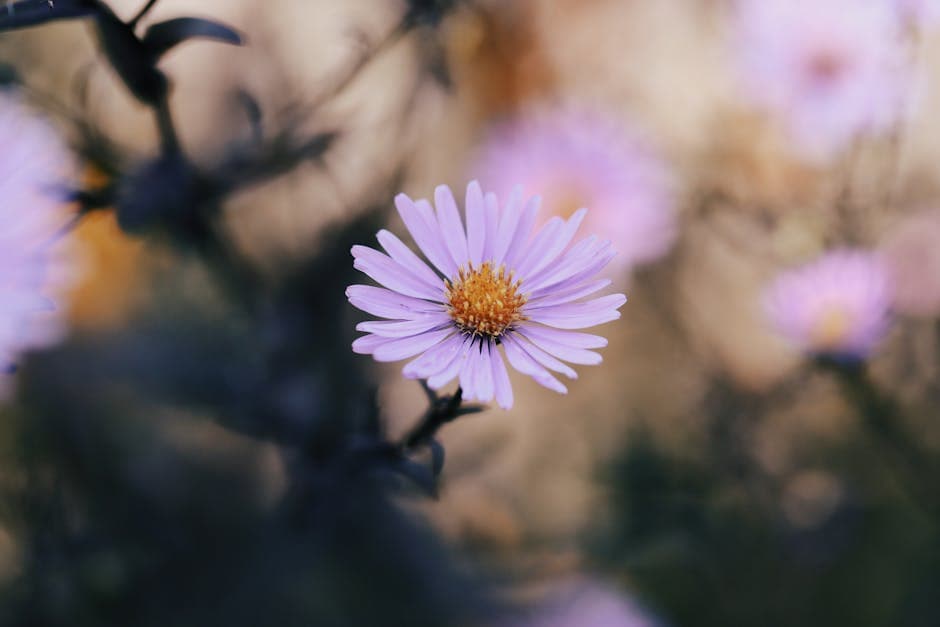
(140, 14)
(342, 82)
(443, 409)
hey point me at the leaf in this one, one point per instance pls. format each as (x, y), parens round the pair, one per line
(437, 457)
(163, 36)
(419, 474)
(32, 12)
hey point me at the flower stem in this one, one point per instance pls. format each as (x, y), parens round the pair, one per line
(442, 410)
(884, 421)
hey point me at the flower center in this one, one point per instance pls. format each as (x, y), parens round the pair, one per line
(832, 329)
(484, 301)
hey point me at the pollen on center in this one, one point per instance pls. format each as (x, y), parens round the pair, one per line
(484, 301)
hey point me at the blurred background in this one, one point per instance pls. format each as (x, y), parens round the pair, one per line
(200, 446)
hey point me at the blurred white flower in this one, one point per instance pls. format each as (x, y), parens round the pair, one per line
(829, 70)
(34, 262)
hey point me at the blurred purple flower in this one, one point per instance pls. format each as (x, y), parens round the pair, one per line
(922, 12)
(912, 253)
(830, 70)
(499, 287)
(836, 306)
(576, 159)
(585, 602)
(33, 268)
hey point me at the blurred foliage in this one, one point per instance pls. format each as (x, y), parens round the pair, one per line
(217, 459)
(709, 537)
(120, 522)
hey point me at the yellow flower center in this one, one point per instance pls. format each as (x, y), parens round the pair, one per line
(832, 328)
(484, 301)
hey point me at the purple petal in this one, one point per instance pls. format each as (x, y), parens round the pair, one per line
(507, 225)
(555, 245)
(568, 338)
(492, 225)
(524, 363)
(476, 223)
(420, 221)
(367, 344)
(405, 328)
(523, 230)
(579, 255)
(405, 257)
(406, 347)
(543, 239)
(385, 303)
(501, 385)
(545, 359)
(574, 292)
(484, 378)
(580, 315)
(577, 278)
(561, 351)
(451, 370)
(436, 359)
(584, 255)
(383, 269)
(451, 227)
(468, 372)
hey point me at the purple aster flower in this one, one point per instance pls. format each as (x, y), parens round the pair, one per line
(831, 70)
(576, 160)
(837, 305)
(490, 284)
(32, 216)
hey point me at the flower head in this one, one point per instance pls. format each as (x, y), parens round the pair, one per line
(577, 160)
(490, 284)
(830, 70)
(32, 216)
(837, 305)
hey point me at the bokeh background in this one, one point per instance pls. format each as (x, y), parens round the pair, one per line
(198, 448)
